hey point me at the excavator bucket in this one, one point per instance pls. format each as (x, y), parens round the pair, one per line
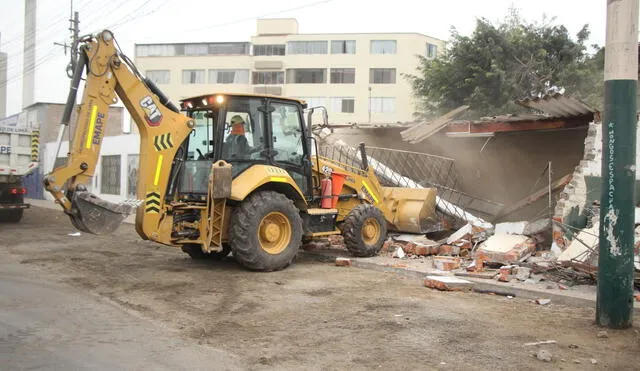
(97, 216)
(412, 210)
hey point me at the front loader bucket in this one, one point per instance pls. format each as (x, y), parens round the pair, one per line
(412, 210)
(97, 216)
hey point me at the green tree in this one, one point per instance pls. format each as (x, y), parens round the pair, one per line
(511, 60)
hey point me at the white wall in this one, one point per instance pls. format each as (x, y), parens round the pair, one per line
(122, 145)
(593, 167)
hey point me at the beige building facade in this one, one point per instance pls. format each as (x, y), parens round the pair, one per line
(357, 77)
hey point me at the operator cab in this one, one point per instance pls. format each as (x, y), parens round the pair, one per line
(243, 130)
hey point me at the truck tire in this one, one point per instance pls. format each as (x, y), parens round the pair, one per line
(266, 232)
(196, 253)
(11, 216)
(364, 230)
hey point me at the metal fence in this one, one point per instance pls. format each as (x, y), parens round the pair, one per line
(397, 168)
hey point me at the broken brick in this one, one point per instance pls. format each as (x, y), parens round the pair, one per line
(506, 248)
(447, 283)
(386, 246)
(448, 250)
(446, 263)
(343, 262)
(409, 248)
(422, 250)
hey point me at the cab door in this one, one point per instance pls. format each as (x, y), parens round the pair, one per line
(288, 142)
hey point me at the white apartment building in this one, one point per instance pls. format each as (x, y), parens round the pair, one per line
(357, 77)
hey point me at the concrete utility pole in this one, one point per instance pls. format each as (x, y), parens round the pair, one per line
(614, 307)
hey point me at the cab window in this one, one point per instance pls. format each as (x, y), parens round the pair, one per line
(243, 138)
(287, 133)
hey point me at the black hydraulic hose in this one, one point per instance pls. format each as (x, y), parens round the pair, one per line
(163, 98)
(73, 91)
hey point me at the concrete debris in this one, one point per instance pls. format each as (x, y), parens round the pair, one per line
(506, 248)
(543, 301)
(555, 249)
(461, 233)
(511, 228)
(522, 273)
(399, 253)
(544, 342)
(445, 263)
(544, 355)
(594, 361)
(537, 227)
(447, 283)
(417, 239)
(486, 275)
(343, 262)
(602, 334)
(576, 361)
(583, 246)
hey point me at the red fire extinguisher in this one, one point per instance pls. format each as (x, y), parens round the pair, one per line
(326, 186)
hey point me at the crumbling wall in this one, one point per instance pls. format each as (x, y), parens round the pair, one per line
(573, 210)
(504, 169)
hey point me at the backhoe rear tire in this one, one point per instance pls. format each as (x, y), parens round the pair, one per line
(364, 230)
(196, 253)
(266, 231)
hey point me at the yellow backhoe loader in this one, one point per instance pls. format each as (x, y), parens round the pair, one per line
(223, 173)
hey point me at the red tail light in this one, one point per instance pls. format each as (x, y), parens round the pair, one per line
(18, 191)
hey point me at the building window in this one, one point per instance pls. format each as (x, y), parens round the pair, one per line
(382, 104)
(306, 76)
(343, 104)
(307, 47)
(228, 76)
(193, 76)
(132, 175)
(432, 50)
(196, 49)
(228, 49)
(343, 75)
(268, 49)
(314, 101)
(268, 78)
(158, 76)
(382, 75)
(383, 47)
(155, 50)
(343, 47)
(110, 175)
(169, 50)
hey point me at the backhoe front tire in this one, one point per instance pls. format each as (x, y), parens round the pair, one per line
(364, 230)
(196, 253)
(266, 232)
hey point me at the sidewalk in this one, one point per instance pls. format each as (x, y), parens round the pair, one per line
(576, 296)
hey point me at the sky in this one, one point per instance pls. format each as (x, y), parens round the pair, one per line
(158, 21)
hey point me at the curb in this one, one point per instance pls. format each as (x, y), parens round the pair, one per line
(479, 285)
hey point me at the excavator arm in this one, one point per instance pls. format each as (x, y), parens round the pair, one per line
(111, 75)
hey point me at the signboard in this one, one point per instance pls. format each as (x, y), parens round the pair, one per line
(19, 120)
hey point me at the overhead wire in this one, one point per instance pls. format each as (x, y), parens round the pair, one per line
(259, 16)
(49, 53)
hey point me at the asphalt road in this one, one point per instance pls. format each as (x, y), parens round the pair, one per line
(52, 326)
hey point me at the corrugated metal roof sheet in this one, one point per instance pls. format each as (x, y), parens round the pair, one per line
(557, 105)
